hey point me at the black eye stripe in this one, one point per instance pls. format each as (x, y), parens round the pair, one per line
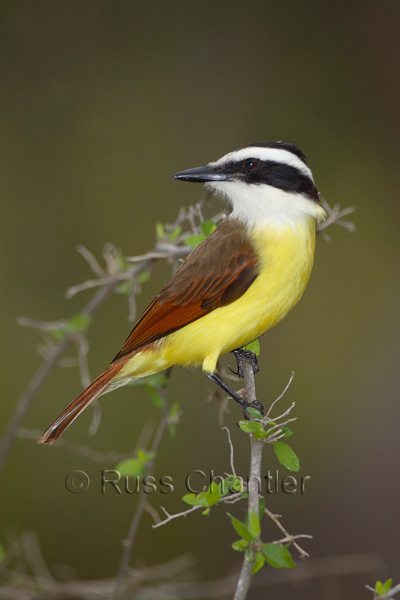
(280, 175)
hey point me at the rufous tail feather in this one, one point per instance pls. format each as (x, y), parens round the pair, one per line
(73, 410)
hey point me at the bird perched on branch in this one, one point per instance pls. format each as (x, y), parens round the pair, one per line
(239, 282)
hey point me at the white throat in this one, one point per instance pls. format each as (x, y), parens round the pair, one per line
(258, 204)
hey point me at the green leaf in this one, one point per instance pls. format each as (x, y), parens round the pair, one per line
(254, 525)
(124, 287)
(240, 545)
(78, 322)
(241, 529)
(246, 426)
(213, 495)
(278, 556)
(194, 240)
(75, 324)
(143, 277)
(253, 346)
(155, 397)
(254, 413)
(288, 432)
(229, 485)
(387, 586)
(174, 234)
(261, 508)
(130, 467)
(196, 499)
(258, 563)
(208, 227)
(253, 427)
(190, 499)
(160, 230)
(383, 588)
(286, 456)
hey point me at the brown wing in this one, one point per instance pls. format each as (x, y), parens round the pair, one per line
(215, 274)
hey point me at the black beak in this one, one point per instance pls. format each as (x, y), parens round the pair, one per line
(203, 174)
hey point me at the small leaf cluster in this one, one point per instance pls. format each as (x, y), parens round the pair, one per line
(207, 227)
(136, 466)
(76, 324)
(383, 588)
(269, 429)
(214, 493)
(276, 555)
(162, 234)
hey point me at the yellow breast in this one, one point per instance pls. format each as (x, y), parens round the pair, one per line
(286, 256)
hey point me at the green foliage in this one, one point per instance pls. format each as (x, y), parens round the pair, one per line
(383, 588)
(207, 227)
(174, 234)
(75, 324)
(143, 277)
(253, 412)
(286, 456)
(160, 230)
(242, 530)
(133, 467)
(253, 346)
(214, 493)
(253, 427)
(278, 556)
(206, 499)
(275, 555)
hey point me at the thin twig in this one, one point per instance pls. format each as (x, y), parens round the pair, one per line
(275, 519)
(224, 500)
(282, 394)
(130, 539)
(231, 450)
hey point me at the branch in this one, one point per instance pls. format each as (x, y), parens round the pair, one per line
(224, 500)
(108, 281)
(256, 448)
(143, 501)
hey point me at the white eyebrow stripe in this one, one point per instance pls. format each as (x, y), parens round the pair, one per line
(279, 155)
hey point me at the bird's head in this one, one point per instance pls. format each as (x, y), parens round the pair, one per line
(262, 182)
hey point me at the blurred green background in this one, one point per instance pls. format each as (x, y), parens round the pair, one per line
(101, 102)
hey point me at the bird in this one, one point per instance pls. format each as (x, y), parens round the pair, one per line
(239, 282)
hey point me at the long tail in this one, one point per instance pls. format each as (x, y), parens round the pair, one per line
(73, 410)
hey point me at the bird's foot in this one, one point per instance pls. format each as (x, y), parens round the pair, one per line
(241, 355)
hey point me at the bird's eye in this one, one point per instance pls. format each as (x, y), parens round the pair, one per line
(250, 164)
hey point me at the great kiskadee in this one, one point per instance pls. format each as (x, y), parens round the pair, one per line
(239, 282)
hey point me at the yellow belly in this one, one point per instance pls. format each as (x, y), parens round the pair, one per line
(286, 259)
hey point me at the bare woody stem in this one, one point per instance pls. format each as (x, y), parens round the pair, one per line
(256, 448)
(141, 507)
(44, 371)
